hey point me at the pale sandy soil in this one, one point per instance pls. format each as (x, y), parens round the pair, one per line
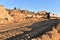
(23, 23)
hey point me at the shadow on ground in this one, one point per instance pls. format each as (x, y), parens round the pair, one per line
(36, 30)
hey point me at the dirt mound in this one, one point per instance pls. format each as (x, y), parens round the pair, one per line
(17, 15)
(4, 16)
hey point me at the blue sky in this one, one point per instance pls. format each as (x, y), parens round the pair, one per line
(34, 5)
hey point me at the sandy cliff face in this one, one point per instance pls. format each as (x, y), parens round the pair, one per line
(4, 16)
(15, 15)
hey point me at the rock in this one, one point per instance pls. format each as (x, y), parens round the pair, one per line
(41, 14)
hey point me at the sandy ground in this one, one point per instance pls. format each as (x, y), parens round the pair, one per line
(54, 34)
(36, 29)
(32, 29)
